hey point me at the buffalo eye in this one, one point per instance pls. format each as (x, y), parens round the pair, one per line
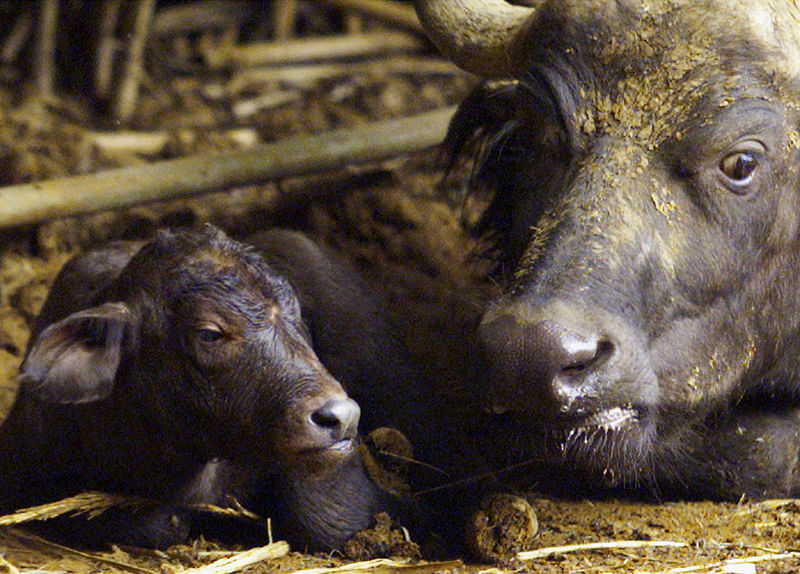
(740, 167)
(209, 334)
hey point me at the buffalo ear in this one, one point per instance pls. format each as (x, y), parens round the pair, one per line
(75, 360)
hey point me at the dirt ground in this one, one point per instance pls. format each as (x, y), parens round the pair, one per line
(407, 237)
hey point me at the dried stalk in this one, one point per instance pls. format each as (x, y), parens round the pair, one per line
(33, 540)
(311, 50)
(283, 14)
(769, 504)
(126, 87)
(614, 545)
(19, 34)
(192, 175)
(307, 76)
(46, 47)
(245, 108)
(401, 15)
(234, 511)
(201, 15)
(151, 143)
(7, 567)
(721, 566)
(385, 565)
(242, 560)
(353, 23)
(90, 504)
(106, 47)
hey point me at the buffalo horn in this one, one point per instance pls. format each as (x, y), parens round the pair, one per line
(480, 36)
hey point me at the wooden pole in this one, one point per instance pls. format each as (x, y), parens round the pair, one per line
(119, 188)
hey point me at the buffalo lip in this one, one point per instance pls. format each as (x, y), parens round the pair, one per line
(343, 446)
(612, 419)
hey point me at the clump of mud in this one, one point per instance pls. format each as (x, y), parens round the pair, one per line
(385, 540)
(386, 453)
(503, 525)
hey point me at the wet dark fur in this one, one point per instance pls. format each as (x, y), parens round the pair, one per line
(218, 432)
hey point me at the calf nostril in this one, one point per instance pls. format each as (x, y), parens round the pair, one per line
(340, 416)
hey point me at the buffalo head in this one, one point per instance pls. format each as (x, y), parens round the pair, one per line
(643, 157)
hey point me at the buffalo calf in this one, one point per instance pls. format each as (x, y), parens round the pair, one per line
(181, 370)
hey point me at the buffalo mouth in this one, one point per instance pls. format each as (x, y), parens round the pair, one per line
(321, 459)
(330, 453)
(608, 420)
(614, 444)
(342, 446)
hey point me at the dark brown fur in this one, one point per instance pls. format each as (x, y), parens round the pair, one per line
(181, 370)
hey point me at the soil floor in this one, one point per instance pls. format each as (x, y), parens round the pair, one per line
(392, 219)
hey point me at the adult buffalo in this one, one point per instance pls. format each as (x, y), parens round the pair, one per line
(643, 156)
(181, 370)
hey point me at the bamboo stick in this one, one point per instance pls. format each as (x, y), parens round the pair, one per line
(386, 10)
(201, 15)
(318, 49)
(283, 14)
(19, 34)
(119, 188)
(307, 76)
(46, 47)
(126, 87)
(107, 45)
(140, 142)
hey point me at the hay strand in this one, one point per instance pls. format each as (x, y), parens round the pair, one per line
(243, 559)
(89, 504)
(236, 510)
(33, 541)
(730, 564)
(615, 545)
(7, 567)
(381, 565)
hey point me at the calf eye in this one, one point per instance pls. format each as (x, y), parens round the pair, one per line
(740, 167)
(209, 334)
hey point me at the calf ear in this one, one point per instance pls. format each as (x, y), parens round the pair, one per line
(75, 360)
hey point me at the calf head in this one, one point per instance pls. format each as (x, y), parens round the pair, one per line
(643, 157)
(205, 343)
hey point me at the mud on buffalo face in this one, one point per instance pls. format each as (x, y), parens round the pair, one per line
(643, 158)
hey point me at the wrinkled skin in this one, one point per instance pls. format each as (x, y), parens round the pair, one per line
(644, 170)
(181, 371)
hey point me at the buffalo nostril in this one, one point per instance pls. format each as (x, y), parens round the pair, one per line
(550, 364)
(339, 416)
(565, 350)
(586, 355)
